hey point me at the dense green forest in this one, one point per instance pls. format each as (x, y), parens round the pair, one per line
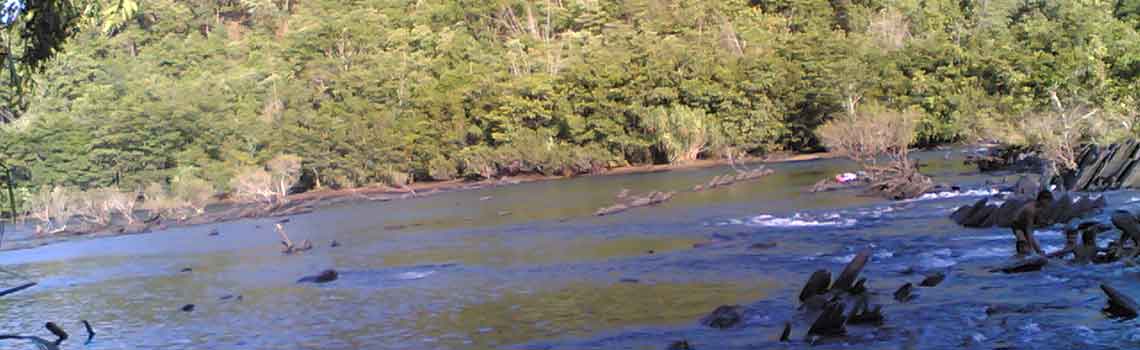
(391, 91)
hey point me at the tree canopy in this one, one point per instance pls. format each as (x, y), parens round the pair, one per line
(390, 91)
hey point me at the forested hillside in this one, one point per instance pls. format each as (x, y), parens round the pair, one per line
(387, 91)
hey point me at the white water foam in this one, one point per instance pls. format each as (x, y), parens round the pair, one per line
(953, 194)
(799, 220)
(414, 275)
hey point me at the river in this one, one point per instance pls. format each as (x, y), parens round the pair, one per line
(530, 268)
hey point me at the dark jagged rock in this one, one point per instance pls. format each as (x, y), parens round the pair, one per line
(860, 287)
(1127, 224)
(724, 317)
(1119, 305)
(959, 216)
(863, 314)
(786, 335)
(680, 345)
(187, 307)
(817, 284)
(1008, 211)
(982, 214)
(323, 277)
(932, 280)
(830, 323)
(850, 273)
(1035, 263)
(904, 293)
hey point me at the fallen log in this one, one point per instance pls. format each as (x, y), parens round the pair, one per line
(17, 288)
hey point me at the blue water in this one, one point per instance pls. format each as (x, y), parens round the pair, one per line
(529, 268)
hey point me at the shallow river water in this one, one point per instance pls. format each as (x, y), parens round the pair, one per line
(530, 268)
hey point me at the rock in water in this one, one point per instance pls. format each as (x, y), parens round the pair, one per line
(903, 294)
(863, 314)
(1119, 305)
(932, 280)
(786, 335)
(1026, 265)
(188, 307)
(323, 277)
(213, 232)
(860, 287)
(816, 284)
(680, 345)
(725, 316)
(850, 273)
(830, 323)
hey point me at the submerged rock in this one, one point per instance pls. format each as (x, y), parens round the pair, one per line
(933, 280)
(680, 345)
(1025, 265)
(862, 313)
(323, 277)
(724, 317)
(903, 294)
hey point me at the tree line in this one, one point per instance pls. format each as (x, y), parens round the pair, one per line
(394, 91)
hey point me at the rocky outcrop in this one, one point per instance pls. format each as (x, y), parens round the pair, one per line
(1101, 168)
(984, 214)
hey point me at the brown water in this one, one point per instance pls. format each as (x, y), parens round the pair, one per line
(451, 272)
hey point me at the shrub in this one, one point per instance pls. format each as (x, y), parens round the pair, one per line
(192, 192)
(442, 169)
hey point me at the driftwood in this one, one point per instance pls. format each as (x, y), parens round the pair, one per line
(287, 245)
(729, 179)
(17, 288)
(1119, 305)
(631, 201)
(41, 342)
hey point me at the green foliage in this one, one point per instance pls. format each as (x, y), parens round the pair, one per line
(386, 91)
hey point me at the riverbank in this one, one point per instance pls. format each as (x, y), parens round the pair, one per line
(306, 202)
